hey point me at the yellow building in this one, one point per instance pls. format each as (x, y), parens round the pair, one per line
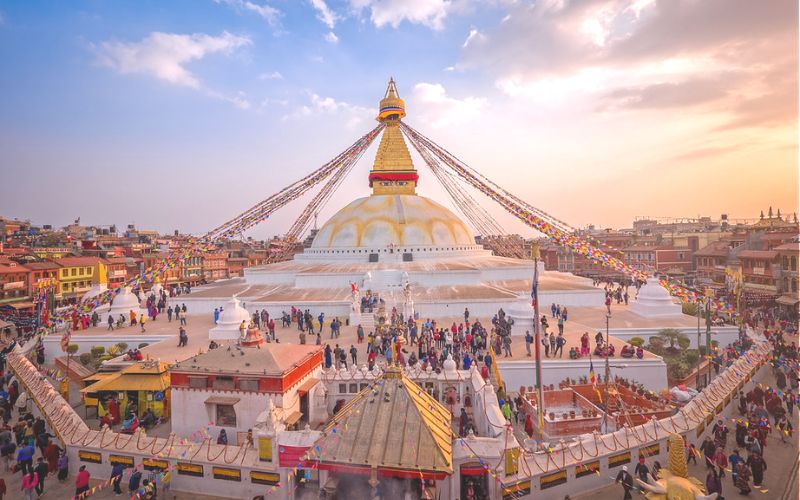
(78, 274)
(145, 383)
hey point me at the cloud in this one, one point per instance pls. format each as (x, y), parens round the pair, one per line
(474, 34)
(274, 75)
(270, 14)
(433, 106)
(623, 55)
(331, 37)
(669, 95)
(430, 13)
(164, 55)
(352, 115)
(324, 13)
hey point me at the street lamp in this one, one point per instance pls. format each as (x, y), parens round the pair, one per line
(536, 255)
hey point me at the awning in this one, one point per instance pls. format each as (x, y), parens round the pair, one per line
(21, 305)
(96, 377)
(293, 418)
(132, 382)
(306, 386)
(221, 400)
(788, 300)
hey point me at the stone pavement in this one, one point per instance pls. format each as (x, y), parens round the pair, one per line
(780, 478)
(53, 489)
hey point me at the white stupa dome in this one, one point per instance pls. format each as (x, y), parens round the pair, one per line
(124, 302)
(654, 300)
(227, 327)
(449, 364)
(405, 220)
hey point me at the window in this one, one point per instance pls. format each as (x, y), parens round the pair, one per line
(342, 388)
(198, 382)
(226, 416)
(222, 382)
(362, 386)
(794, 263)
(248, 384)
(73, 272)
(353, 388)
(88, 270)
(64, 273)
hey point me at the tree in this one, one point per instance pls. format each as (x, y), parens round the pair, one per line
(72, 348)
(691, 356)
(656, 345)
(672, 337)
(684, 342)
(636, 341)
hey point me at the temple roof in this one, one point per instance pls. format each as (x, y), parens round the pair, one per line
(392, 424)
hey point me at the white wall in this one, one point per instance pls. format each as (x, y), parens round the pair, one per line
(650, 372)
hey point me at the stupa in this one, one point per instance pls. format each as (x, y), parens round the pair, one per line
(124, 302)
(654, 301)
(231, 318)
(417, 254)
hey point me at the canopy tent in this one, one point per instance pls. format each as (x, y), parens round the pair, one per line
(393, 426)
(142, 376)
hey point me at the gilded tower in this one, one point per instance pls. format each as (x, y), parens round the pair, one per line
(393, 172)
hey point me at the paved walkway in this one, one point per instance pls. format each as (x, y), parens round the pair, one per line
(54, 489)
(780, 478)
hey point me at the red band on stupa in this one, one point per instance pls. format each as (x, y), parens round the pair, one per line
(389, 176)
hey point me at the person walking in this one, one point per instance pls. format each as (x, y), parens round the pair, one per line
(528, 341)
(29, 482)
(63, 466)
(560, 342)
(25, 457)
(354, 354)
(641, 470)
(111, 322)
(116, 478)
(133, 482)
(141, 322)
(82, 482)
(757, 465)
(624, 477)
(182, 316)
(40, 471)
(714, 484)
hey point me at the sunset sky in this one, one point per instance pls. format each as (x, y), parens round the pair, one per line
(181, 114)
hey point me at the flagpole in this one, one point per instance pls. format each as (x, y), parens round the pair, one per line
(535, 255)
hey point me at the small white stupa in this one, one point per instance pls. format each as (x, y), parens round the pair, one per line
(124, 302)
(227, 327)
(521, 312)
(654, 301)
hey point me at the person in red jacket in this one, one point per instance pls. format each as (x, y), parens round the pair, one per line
(82, 481)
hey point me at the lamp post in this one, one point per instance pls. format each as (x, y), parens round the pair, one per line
(607, 376)
(709, 301)
(535, 255)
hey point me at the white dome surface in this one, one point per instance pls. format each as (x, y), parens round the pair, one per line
(378, 221)
(654, 300)
(227, 327)
(124, 302)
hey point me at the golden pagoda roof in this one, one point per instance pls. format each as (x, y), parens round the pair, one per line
(392, 424)
(391, 106)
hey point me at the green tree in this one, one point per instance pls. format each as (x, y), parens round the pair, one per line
(671, 336)
(684, 342)
(636, 341)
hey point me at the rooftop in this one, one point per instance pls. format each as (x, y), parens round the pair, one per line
(78, 261)
(265, 359)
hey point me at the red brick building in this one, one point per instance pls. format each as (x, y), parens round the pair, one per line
(14, 285)
(215, 266)
(117, 271)
(760, 271)
(44, 274)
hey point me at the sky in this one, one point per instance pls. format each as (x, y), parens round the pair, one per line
(182, 114)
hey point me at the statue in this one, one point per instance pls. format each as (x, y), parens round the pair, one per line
(355, 295)
(674, 482)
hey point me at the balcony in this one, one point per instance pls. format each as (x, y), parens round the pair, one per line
(14, 285)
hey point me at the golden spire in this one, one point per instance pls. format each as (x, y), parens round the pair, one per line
(393, 171)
